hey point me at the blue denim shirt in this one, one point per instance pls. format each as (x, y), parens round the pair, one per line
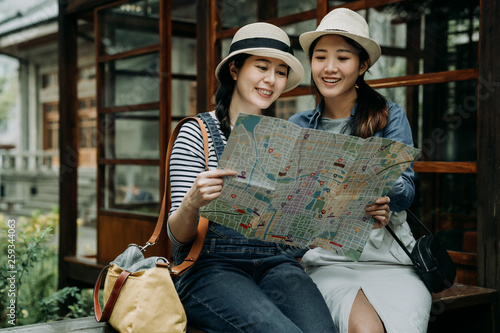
(397, 128)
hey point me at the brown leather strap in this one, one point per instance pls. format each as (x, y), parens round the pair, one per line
(193, 253)
(173, 136)
(115, 292)
(195, 249)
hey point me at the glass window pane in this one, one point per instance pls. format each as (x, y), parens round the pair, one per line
(384, 28)
(87, 213)
(447, 203)
(288, 106)
(432, 39)
(447, 124)
(184, 57)
(332, 3)
(132, 81)
(291, 7)
(294, 31)
(129, 26)
(132, 188)
(183, 98)
(236, 13)
(388, 66)
(396, 95)
(184, 10)
(131, 134)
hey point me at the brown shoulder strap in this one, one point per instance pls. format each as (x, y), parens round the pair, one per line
(162, 217)
(193, 253)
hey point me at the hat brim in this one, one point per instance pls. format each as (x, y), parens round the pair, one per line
(371, 46)
(296, 70)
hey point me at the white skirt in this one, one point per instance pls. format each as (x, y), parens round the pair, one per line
(394, 290)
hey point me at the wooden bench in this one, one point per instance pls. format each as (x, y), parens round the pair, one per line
(464, 308)
(461, 308)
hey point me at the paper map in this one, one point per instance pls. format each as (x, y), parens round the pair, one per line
(302, 187)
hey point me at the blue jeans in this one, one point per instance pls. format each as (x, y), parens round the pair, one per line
(241, 285)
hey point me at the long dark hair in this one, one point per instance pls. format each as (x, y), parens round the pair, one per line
(371, 114)
(225, 92)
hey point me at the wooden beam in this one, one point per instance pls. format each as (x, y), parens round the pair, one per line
(298, 91)
(404, 81)
(130, 53)
(136, 107)
(204, 53)
(128, 161)
(488, 141)
(364, 4)
(445, 167)
(428, 78)
(68, 134)
(279, 21)
(78, 7)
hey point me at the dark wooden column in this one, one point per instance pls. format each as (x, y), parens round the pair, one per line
(267, 9)
(68, 149)
(488, 147)
(321, 10)
(204, 54)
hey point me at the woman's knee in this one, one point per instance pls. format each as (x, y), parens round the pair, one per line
(366, 326)
(363, 317)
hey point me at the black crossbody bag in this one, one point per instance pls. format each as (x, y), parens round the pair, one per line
(430, 258)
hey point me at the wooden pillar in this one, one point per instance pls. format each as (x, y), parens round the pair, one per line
(321, 10)
(165, 84)
(488, 146)
(165, 100)
(267, 9)
(434, 102)
(205, 49)
(68, 145)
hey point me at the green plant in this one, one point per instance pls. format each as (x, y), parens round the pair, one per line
(33, 271)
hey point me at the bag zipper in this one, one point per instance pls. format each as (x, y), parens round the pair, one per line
(422, 259)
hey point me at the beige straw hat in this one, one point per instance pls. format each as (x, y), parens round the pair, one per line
(267, 40)
(344, 22)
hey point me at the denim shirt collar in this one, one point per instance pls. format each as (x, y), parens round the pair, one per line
(315, 121)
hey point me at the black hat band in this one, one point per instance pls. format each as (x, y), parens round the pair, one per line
(260, 42)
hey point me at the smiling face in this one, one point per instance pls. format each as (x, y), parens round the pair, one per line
(335, 67)
(258, 83)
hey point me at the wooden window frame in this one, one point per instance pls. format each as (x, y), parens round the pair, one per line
(112, 218)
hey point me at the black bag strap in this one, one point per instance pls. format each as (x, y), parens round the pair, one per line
(414, 219)
(396, 238)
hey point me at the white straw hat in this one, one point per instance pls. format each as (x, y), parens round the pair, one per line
(267, 40)
(344, 22)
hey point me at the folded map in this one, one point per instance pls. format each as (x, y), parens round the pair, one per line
(301, 187)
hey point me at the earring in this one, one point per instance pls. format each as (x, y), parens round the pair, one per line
(356, 86)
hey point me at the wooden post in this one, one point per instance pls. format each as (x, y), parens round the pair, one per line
(267, 9)
(68, 145)
(321, 10)
(488, 143)
(204, 55)
(165, 99)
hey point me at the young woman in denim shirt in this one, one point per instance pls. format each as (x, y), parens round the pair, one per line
(239, 285)
(381, 292)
